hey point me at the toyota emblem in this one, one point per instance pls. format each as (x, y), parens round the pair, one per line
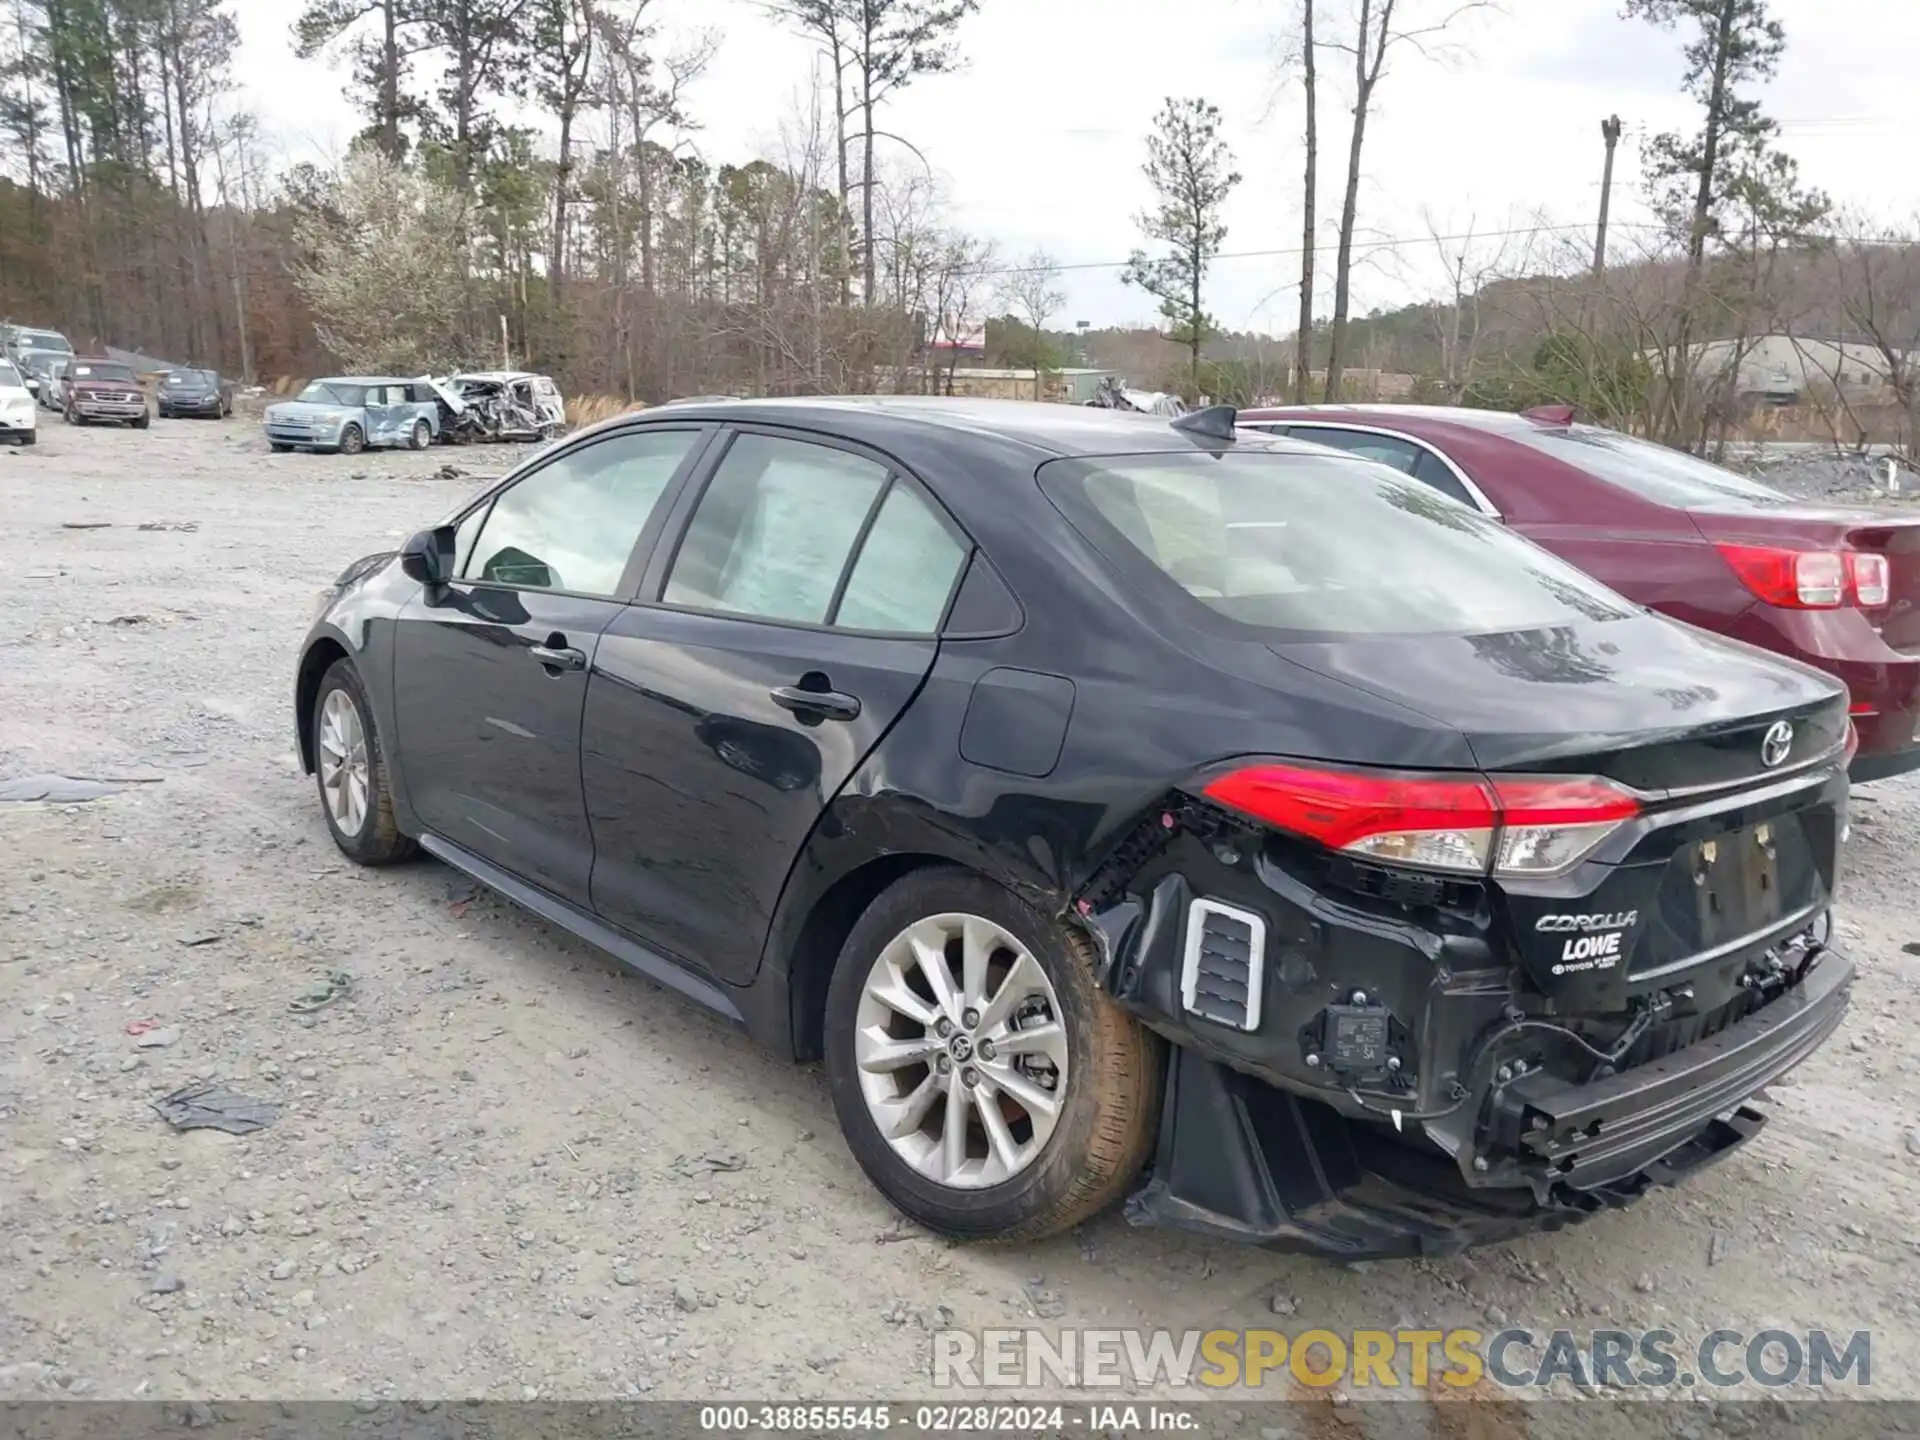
(1777, 745)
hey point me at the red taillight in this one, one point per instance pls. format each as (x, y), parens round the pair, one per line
(1810, 579)
(1467, 823)
(1796, 579)
(1869, 577)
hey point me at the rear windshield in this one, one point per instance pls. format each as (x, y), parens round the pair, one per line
(103, 372)
(1669, 477)
(1320, 546)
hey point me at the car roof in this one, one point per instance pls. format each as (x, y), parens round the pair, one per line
(1050, 430)
(363, 380)
(498, 375)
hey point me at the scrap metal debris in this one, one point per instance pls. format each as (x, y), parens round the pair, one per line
(714, 1162)
(325, 989)
(211, 1106)
(184, 525)
(205, 937)
(68, 789)
(86, 524)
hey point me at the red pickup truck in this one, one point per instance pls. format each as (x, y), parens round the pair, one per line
(100, 389)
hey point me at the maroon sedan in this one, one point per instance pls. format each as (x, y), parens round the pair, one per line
(1835, 587)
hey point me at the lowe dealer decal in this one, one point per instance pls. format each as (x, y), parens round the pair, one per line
(1593, 942)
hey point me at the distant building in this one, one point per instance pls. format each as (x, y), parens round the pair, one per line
(1784, 369)
(970, 347)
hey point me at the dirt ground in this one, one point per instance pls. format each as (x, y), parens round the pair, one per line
(504, 1167)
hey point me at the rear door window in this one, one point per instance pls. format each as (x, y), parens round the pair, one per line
(1386, 449)
(774, 530)
(1430, 469)
(1305, 545)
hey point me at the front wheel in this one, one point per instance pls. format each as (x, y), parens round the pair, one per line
(421, 436)
(352, 442)
(71, 416)
(351, 769)
(986, 1084)
(143, 422)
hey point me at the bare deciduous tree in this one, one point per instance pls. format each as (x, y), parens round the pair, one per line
(1031, 292)
(1378, 30)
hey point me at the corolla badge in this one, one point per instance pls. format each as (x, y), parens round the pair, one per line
(1777, 744)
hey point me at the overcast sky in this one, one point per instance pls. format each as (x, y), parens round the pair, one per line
(1038, 141)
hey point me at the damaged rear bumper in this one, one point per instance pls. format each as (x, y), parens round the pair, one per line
(1243, 1160)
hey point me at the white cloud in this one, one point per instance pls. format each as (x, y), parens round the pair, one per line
(1040, 138)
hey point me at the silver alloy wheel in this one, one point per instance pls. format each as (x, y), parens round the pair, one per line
(961, 1051)
(345, 773)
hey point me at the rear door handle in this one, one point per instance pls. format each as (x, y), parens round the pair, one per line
(559, 657)
(826, 704)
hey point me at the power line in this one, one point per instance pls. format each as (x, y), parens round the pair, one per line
(1396, 242)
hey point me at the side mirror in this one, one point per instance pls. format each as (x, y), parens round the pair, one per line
(428, 556)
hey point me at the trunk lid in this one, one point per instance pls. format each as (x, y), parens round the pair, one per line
(1647, 701)
(1809, 526)
(1733, 850)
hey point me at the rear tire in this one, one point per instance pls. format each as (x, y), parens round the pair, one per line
(1107, 1098)
(350, 771)
(29, 436)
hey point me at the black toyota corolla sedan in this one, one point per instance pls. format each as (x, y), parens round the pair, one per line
(1120, 806)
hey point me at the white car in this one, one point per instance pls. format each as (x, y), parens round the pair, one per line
(19, 415)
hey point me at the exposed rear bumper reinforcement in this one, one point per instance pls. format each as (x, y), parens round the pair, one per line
(1595, 1134)
(1243, 1160)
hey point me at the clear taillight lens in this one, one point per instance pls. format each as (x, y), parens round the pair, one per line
(1469, 824)
(1870, 578)
(1810, 579)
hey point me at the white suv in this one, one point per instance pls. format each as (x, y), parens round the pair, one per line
(18, 413)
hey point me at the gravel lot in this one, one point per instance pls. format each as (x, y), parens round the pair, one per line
(504, 1167)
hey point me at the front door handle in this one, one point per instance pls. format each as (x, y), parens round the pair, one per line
(822, 704)
(558, 657)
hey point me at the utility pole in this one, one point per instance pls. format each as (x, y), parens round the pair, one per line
(1610, 132)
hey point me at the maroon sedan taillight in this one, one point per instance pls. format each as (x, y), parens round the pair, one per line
(1809, 579)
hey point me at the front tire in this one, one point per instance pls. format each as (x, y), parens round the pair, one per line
(143, 422)
(986, 1084)
(72, 417)
(352, 441)
(350, 769)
